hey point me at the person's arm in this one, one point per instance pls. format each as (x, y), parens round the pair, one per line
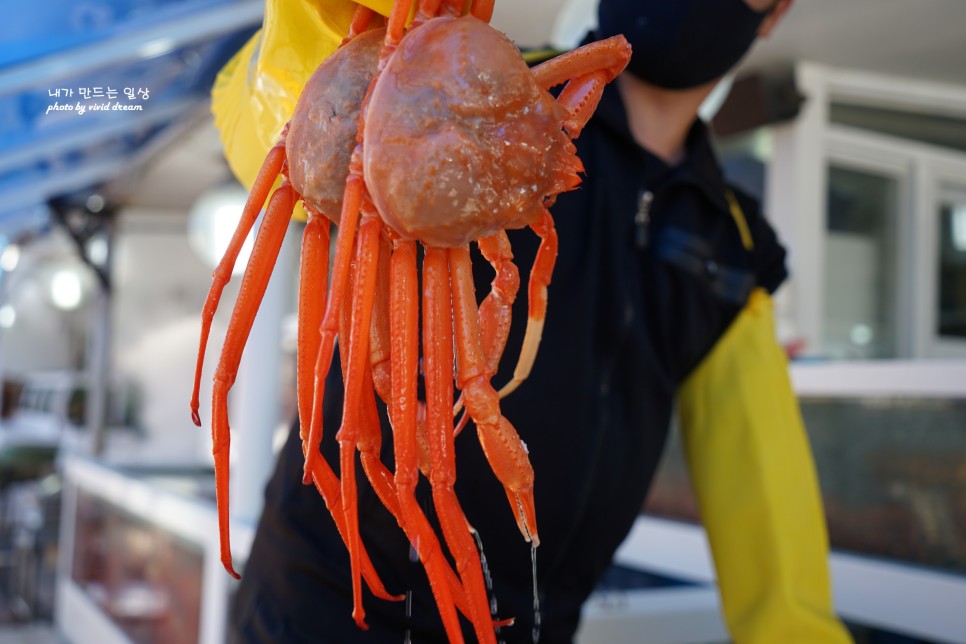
(757, 490)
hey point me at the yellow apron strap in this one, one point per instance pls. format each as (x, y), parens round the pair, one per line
(739, 216)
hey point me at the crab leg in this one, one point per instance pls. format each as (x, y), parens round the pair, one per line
(380, 352)
(482, 9)
(540, 275)
(504, 450)
(327, 485)
(380, 349)
(590, 67)
(357, 369)
(312, 282)
(360, 424)
(352, 203)
(396, 27)
(370, 447)
(404, 312)
(330, 322)
(315, 466)
(313, 277)
(610, 56)
(268, 243)
(586, 70)
(361, 19)
(256, 199)
(438, 367)
(496, 308)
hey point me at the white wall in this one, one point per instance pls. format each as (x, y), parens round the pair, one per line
(160, 286)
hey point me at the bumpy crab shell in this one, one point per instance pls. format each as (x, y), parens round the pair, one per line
(445, 163)
(323, 129)
(448, 163)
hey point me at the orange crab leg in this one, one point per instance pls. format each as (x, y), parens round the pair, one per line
(268, 242)
(438, 367)
(610, 56)
(504, 450)
(327, 484)
(380, 349)
(330, 322)
(313, 277)
(312, 297)
(482, 9)
(360, 428)
(357, 369)
(586, 70)
(361, 19)
(540, 275)
(402, 504)
(396, 27)
(404, 313)
(256, 199)
(370, 446)
(590, 67)
(432, 8)
(496, 308)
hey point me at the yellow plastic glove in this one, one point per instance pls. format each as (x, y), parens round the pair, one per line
(757, 489)
(255, 93)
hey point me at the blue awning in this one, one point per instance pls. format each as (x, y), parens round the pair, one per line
(91, 88)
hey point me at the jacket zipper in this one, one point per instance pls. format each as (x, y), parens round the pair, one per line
(642, 219)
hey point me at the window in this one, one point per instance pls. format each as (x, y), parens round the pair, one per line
(951, 278)
(860, 265)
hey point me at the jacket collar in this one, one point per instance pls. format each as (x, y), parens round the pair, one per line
(699, 168)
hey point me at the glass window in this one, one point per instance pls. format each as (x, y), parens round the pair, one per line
(860, 265)
(891, 471)
(147, 581)
(28, 399)
(46, 401)
(744, 158)
(951, 318)
(76, 406)
(934, 129)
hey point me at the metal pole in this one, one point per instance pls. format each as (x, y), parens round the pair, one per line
(99, 349)
(256, 397)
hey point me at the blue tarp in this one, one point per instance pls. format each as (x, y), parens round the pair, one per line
(87, 86)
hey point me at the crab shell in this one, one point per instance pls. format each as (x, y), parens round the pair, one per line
(459, 141)
(322, 132)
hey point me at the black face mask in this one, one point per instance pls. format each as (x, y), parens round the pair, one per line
(680, 44)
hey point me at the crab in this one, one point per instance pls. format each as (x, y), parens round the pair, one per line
(437, 134)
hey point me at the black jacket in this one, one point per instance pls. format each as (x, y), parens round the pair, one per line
(633, 308)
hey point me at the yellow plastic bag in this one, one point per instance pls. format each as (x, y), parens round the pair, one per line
(757, 489)
(255, 93)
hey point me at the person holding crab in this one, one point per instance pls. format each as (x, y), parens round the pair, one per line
(661, 296)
